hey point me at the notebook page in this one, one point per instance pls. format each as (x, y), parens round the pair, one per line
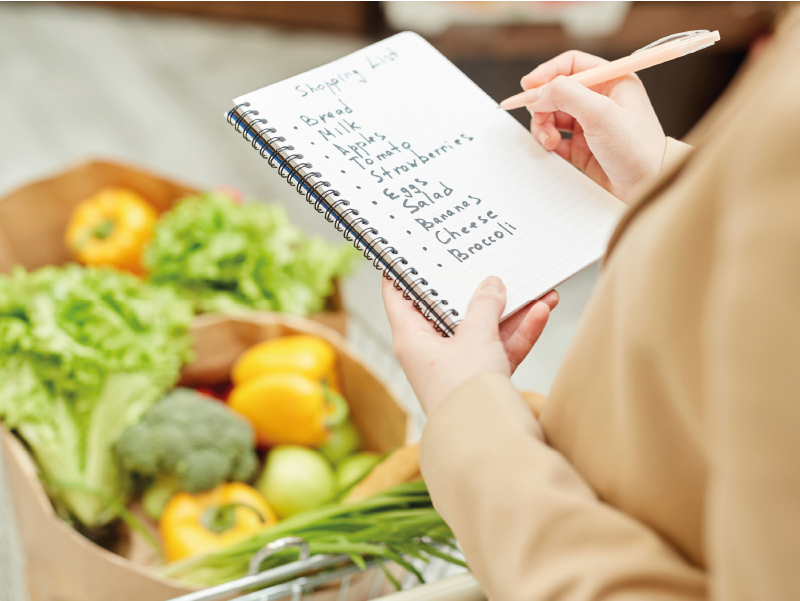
(454, 183)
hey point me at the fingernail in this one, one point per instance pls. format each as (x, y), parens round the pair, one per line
(542, 138)
(531, 96)
(492, 282)
(540, 117)
(534, 94)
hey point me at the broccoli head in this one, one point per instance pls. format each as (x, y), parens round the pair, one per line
(187, 442)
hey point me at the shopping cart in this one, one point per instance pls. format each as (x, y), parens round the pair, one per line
(337, 578)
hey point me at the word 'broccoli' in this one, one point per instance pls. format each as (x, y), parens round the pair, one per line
(187, 442)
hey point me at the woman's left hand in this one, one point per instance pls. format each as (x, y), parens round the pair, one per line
(435, 365)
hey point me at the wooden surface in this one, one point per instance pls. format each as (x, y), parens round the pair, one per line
(737, 22)
(342, 17)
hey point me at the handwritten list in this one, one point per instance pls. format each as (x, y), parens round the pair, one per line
(451, 181)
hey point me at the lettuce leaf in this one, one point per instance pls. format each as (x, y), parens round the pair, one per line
(84, 352)
(234, 258)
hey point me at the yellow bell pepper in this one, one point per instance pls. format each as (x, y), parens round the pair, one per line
(204, 522)
(288, 408)
(111, 228)
(302, 354)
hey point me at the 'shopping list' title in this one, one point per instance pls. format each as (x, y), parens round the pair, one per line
(336, 82)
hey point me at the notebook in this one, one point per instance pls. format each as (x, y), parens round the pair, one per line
(425, 174)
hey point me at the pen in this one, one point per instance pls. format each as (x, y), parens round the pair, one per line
(660, 51)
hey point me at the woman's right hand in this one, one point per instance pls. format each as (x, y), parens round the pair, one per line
(616, 137)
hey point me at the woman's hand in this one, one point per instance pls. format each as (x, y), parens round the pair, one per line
(435, 365)
(616, 137)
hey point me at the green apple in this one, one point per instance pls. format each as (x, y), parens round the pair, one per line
(354, 468)
(295, 479)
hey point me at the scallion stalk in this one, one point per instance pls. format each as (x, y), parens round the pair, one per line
(390, 526)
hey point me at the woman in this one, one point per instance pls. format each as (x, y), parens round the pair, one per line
(665, 463)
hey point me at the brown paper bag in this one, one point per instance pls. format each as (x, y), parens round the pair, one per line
(33, 218)
(62, 565)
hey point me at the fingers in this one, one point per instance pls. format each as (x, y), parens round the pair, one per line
(564, 122)
(566, 63)
(549, 136)
(550, 299)
(551, 139)
(520, 343)
(484, 310)
(540, 118)
(546, 132)
(404, 319)
(519, 333)
(594, 112)
(510, 325)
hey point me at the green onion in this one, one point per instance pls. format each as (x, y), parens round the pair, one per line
(390, 526)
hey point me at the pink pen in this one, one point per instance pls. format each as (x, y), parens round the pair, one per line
(660, 51)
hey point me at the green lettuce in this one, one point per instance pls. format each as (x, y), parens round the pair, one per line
(232, 258)
(84, 352)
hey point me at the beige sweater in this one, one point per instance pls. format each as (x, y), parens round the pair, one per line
(666, 462)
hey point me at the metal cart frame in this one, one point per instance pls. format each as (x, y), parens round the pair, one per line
(299, 579)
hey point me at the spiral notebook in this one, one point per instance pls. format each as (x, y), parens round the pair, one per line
(422, 171)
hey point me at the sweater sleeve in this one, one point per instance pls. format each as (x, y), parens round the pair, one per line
(674, 152)
(752, 353)
(529, 525)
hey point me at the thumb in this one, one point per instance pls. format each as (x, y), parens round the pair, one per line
(484, 310)
(594, 112)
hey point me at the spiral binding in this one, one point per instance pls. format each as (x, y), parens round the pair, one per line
(354, 228)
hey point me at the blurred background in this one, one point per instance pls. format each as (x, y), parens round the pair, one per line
(147, 83)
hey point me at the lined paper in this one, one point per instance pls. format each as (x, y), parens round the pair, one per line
(454, 183)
